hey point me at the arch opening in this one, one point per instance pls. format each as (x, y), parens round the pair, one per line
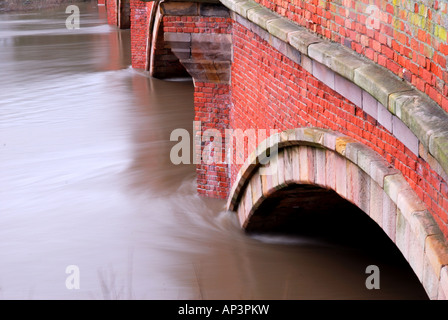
(321, 217)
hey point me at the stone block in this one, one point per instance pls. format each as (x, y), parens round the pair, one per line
(257, 191)
(319, 166)
(307, 64)
(436, 250)
(363, 186)
(369, 104)
(293, 54)
(385, 117)
(348, 90)
(280, 172)
(393, 184)
(443, 284)
(376, 203)
(306, 158)
(311, 135)
(213, 10)
(424, 119)
(389, 216)
(231, 4)
(330, 173)
(381, 169)
(242, 7)
(341, 176)
(288, 165)
(430, 281)
(241, 213)
(398, 99)
(408, 202)
(180, 8)
(416, 255)
(280, 28)
(402, 235)
(339, 59)
(365, 158)
(261, 16)
(438, 147)
(378, 82)
(352, 149)
(324, 74)
(341, 144)
(301, 39)
(177, 37)
(295, 164)
(405, 135)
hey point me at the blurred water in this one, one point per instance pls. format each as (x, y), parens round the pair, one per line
(85, 180)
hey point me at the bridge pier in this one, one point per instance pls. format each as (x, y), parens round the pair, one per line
(199, 35)
(118, 13)
(178, 39)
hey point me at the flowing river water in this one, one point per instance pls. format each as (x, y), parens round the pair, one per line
(86, 181)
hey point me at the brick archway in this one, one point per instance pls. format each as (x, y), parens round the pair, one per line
(330, 160)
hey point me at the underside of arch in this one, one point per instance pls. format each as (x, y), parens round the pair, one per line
(204, 55)
(326, 163)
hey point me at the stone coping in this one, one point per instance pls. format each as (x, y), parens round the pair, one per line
(424, 118)
(415, 233)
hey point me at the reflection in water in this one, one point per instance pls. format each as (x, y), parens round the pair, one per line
(86, 180)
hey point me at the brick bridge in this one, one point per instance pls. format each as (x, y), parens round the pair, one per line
(358, 95)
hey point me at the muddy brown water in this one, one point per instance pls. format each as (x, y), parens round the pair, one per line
(86, 181)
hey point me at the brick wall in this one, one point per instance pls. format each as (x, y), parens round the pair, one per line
(271, 91)
(165, 63)
(212, 105)
(409, 37)
(197, 24)
(111, 7)
(140, 12)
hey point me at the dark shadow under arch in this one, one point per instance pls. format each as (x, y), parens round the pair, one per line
(318, 214)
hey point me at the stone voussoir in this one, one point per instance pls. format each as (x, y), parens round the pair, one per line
(380, 169)
(408, 202)
(311, 135)
(365, 157)
(436, 250)
(393, 184)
